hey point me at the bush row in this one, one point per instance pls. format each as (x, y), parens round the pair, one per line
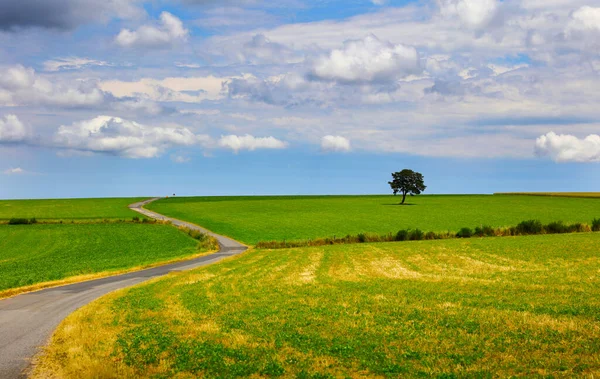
(205, 241)
(530, 227)
(31, 221)
(22, 221)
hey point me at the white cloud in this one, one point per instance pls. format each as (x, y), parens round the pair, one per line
(335, 144)
(14, 171)
(22, 86)
(249, 142)
(129, 139)
(170, 32)
(12, 130)
(568, 148)
(72, 63)
(367, 61)
(379, 2)
(475, 14)
(585, 18)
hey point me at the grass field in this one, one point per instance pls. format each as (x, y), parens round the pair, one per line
(68, 209)
(254, 219)
(35, 254)
(594, 195)
(495, 307)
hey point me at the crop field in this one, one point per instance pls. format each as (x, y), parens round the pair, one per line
(68, 209)
(254, 219)
(495, 307)
(33, 254)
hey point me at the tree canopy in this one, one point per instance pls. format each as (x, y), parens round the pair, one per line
(407, 182)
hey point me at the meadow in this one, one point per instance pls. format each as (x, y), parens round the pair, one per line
(35, 254)
(69, 209)
(278, 218)
(481, 308)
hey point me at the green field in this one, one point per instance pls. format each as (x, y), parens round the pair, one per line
(68, 209)
(493, 307)
(35, 254)
(254, 219)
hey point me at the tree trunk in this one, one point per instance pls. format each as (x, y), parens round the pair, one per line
(403, 197)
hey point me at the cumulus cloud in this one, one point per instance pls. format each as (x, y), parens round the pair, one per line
(568, 148)
(335, 144)
(584, 19)
(72, 63)
(169, 32)
(21, 86)
(12, 130)
(129, 139)
(474, 14)
(368, 60)
(62, 14)
(251, 143)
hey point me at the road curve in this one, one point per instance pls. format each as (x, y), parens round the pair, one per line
(27, 321)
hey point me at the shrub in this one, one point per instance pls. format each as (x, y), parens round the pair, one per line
(402, 235)
(431, 236)
(18, 221)
(580, 228)
(464, 233)
(416, 235)
(556, 227)
(136, 219)
(484, 231)
(362, 238)
(596, 225)
(530, 227)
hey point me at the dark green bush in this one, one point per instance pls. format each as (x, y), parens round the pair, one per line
(416, 235)
(556, 227)
(596, 225)
(19, 221)
(431, 236)
(464, 233)
(530, 227)
(484, 231)
(136, 219)
(362, 238)
(402, 235)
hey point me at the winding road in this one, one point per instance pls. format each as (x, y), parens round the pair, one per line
(27, 321)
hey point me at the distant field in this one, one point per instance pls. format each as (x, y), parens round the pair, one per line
(68, 209)
(253, 219)
(556, 194)
(43, 253)
(495, 307)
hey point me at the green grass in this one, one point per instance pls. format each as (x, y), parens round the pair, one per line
(32, 254)
(254, 219)
(481, 308)
(68, 209)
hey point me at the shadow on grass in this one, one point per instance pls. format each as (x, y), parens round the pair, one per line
(400, 205)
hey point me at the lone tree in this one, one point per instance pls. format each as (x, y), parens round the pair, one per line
(407, 182)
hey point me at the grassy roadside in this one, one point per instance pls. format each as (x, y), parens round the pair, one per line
(39, 256)
(517, 306)
(291, 218)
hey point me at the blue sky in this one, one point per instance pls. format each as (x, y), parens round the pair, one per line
(198, 97)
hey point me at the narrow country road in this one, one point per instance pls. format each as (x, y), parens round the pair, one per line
(27, 321)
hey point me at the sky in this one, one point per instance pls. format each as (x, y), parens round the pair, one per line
(203, 97)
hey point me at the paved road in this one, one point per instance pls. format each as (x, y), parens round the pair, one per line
(27, 321)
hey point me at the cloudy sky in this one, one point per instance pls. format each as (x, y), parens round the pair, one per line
(201, 97)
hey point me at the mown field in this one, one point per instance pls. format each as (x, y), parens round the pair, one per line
(494, 307)
(254, 219)
(594, 195)
(68, 209)
(34, 254)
